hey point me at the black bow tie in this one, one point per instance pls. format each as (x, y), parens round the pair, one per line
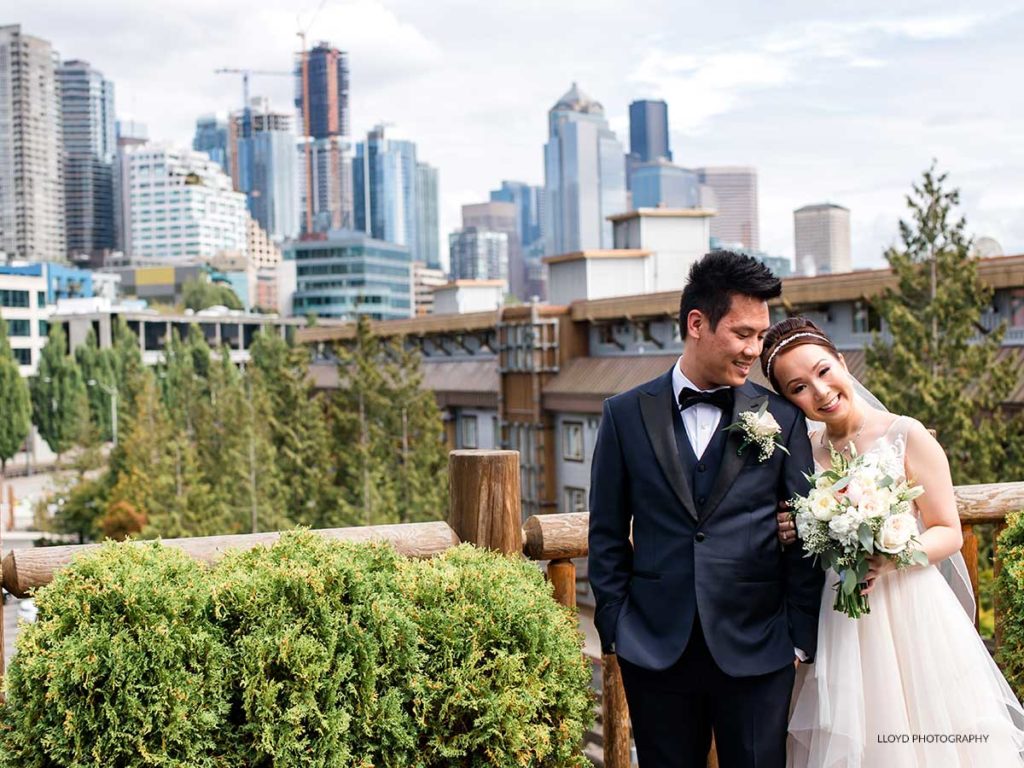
(720, 398)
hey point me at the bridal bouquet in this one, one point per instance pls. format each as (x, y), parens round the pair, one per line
(857, 509)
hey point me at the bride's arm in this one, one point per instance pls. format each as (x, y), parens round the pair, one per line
(928, 467)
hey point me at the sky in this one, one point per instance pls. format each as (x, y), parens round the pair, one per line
(839, 102)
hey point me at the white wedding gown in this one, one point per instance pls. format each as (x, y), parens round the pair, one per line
(909, 685)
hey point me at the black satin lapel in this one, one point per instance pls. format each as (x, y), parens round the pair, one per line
(733, 461)
(656, 411)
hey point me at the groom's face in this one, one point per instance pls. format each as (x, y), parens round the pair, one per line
(725, 355)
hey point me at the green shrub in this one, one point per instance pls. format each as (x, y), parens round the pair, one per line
(123, 666)
(1010, 588)
(323, 654)
(504, 680)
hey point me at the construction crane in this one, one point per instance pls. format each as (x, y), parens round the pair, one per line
(246, 74)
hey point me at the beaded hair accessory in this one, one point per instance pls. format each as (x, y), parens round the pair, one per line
(785, 341)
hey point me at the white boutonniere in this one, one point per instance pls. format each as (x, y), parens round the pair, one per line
(761, 429)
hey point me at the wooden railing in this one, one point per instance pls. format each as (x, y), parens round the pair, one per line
(483, 509)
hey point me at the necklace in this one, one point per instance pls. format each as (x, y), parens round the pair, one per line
(849, 441)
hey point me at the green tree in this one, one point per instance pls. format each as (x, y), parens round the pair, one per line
(97, 367)
(299, 432)
(940, 364)
(16, 414)
(387, 433)
(58, 394)
(200, 294)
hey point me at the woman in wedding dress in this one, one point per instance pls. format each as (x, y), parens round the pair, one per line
(909, 685)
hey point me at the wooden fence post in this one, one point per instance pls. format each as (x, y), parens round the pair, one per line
(562, 575)
(483, 499)
(614, 714)
(970, 553)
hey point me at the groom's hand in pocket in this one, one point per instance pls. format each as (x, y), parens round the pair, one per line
(787, 525)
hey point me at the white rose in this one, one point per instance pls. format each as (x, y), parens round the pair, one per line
(822, 505)
(844, 528)
(765, 425)
(895, 533)
(822, 483)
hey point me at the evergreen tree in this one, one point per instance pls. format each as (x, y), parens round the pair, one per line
(387, 433)
(58, 394)
(941, 365)
(201, 294)
(299, 432)
(97, 368)
(236, 452)
(16, 413)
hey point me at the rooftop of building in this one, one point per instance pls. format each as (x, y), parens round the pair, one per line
(576, 100)
(465, 283)
(663, 213)
(822, 207)
(610, 253)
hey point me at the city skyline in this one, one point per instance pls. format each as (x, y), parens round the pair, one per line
(826, 105)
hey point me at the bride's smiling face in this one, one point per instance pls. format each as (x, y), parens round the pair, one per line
(816, 381)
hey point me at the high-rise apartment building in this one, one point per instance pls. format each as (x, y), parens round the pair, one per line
(328, 110)
(181, 206)
(584, 176)
(90, 148)
(325, 162)
(267, 167)
(129, 134)
(31, 149)
(427, 223)
(478, 254)
(425, 280)
(212, 137)
(499, 217)
(821, 236)
(731, 191)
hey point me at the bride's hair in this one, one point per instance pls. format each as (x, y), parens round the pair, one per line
(789, 334)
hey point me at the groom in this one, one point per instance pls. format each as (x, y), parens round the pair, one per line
(704, 610)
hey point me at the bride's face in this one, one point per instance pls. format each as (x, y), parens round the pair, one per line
(816, 381)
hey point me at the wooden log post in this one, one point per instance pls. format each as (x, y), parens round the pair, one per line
(614, 714)
(970, 552)
(483, 499)
(562, 575)
(997, 566)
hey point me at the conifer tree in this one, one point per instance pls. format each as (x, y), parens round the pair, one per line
(58, 394)
(97, 368)
(16, 410)
(937, 361)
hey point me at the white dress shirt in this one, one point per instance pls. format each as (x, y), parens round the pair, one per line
(700, 420)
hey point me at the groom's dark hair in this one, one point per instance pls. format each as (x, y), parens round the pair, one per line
(717, 277)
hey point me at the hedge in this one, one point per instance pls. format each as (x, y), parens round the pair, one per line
(308, 653)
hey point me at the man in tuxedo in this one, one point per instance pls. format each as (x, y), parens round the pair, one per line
(705, 611)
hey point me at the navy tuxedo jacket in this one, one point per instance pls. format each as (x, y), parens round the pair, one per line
(721, 559)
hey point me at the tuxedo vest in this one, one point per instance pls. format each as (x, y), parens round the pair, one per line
(701, 472)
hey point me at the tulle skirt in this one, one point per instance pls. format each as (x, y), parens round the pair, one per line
(910, 685)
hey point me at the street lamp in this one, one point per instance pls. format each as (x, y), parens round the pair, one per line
(112, 391)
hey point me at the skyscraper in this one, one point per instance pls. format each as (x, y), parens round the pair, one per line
(268, 169)
(660, 184)
(478, 254)
(322, 97)
(387, 180)
(181, 206)
(527, 199)
(89, 139)
(648, 131)
(427, 226)
(584, 176)
(31, 153)
(821, 236)
(328, 92)
(499, 217)
(732, 192)
(211, 137)
(129, 134)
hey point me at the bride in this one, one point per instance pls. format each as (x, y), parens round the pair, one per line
(909, 685)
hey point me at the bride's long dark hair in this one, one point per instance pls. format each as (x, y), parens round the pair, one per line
(790, 334)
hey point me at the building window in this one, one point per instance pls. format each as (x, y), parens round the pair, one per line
(575, 499)
(44, 328)
(865, 318)
(19, 328)
(572, 440)
(40, 299)
(13, 298)
(469, 439)
(23, 356)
